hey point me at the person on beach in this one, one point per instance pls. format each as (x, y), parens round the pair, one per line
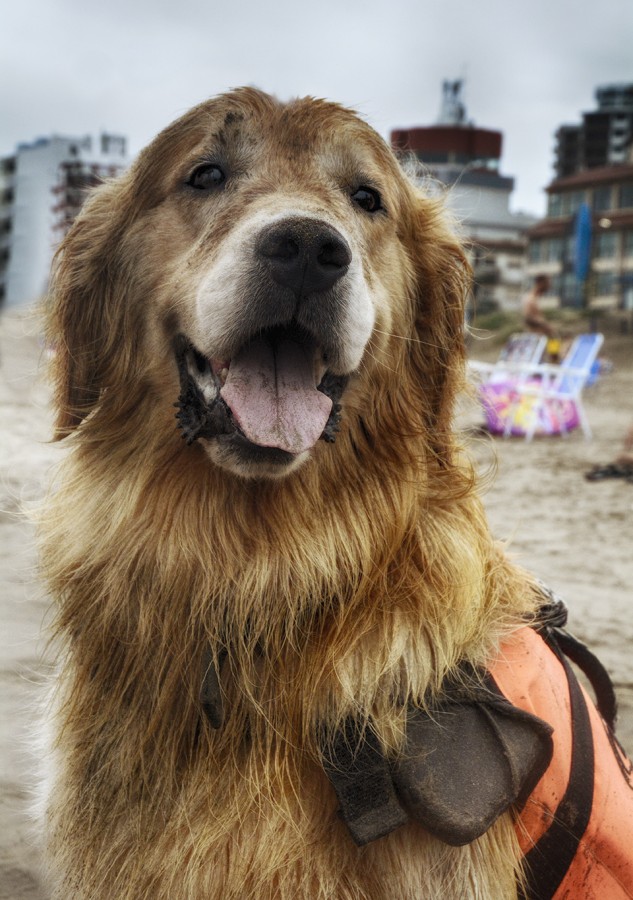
(533, 318)
(535, 321)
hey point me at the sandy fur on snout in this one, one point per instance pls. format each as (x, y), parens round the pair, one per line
(222, 290)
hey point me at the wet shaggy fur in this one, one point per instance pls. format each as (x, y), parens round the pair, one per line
(349, 581)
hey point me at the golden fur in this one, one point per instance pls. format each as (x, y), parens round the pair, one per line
(362, 575)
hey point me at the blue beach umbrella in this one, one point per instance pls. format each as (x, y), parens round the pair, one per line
(582, 242)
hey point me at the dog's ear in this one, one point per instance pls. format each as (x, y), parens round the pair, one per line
(86, 310)
(442, 281)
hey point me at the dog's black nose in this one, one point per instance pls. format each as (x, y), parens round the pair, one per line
(305, 255)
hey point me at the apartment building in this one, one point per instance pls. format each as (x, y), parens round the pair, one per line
(594, 169)
(42, 187)
(604, 136)
(608, 192)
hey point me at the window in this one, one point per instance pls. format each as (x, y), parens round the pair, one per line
(535, 252)
(576, 199)
(626, 196)
(571, 202)
(605, 283)
(602, 199)
(554, 205)
(628, 243)
(606, 244)
(570, 247)
(554, 249)
(569, 289)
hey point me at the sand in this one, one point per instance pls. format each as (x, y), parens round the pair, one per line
(576, 535)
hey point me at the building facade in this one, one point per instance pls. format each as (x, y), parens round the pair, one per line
(603, 138)
(42, 187)
(608, 192)
(464, 161)
(594, 171)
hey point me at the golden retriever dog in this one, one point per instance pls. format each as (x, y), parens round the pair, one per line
(264, 544)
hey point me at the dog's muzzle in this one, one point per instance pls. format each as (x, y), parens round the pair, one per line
(267, 393)
(278, 386)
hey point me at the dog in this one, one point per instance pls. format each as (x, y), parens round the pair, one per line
(265, 544)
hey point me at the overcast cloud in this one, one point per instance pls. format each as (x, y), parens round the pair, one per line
(131, 66)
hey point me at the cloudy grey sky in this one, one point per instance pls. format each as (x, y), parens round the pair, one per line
(131, 66)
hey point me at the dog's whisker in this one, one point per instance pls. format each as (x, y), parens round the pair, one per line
(408, 338)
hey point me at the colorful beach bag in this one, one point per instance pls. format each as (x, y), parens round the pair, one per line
(501, 402)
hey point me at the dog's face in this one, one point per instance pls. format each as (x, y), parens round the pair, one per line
(269, 249)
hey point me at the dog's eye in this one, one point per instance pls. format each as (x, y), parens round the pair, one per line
(368, 199)
(207, 177)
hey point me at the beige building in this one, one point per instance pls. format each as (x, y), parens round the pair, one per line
(463, 162)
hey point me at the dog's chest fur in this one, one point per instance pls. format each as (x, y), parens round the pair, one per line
(250, 814)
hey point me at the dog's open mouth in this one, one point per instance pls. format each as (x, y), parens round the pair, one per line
(276, 392)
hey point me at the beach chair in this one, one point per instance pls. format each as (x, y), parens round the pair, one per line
(521, 348)
(548, 398)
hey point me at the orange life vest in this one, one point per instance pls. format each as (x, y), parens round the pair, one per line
(547, 752)
(576, 828)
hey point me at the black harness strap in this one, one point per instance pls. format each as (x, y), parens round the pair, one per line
(551, 622)
(598, 676)
(549, 859)
(360, 774)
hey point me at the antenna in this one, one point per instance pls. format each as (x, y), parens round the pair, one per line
(453, 109)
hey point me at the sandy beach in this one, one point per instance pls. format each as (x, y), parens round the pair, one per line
(576, 535)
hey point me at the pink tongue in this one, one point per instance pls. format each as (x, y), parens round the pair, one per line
(271, 393)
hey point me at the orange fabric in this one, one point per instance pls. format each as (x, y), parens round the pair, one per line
(532, 678)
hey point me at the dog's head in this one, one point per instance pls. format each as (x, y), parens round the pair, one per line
(269, 267)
